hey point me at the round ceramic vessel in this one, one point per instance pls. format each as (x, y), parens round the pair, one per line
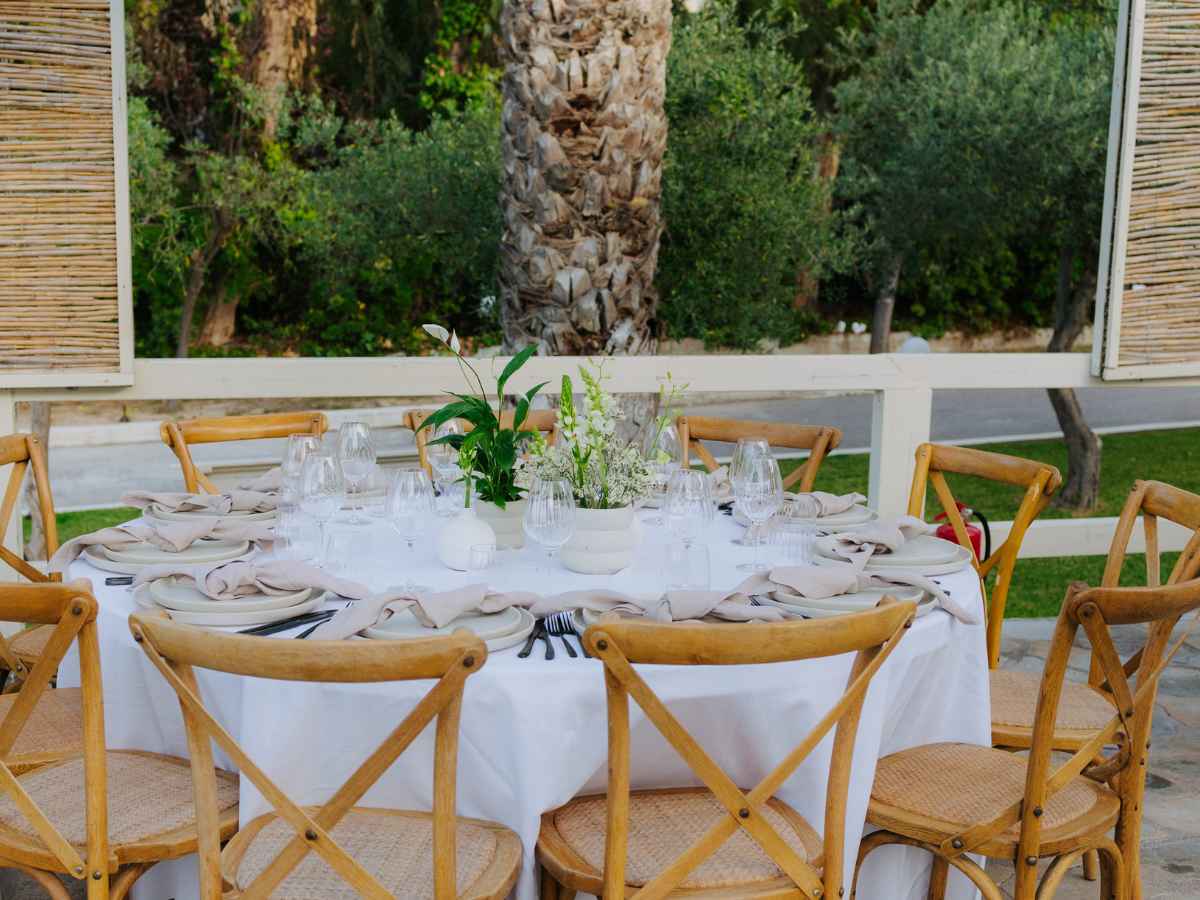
(508, 523)
(458, 535)
(603, 542)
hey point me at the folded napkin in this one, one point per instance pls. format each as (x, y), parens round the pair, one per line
(216, 504)
(228, 581)
(269, 482)
(174, 536)
(816, 504)
(877, 538)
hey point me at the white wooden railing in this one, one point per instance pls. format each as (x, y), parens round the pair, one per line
(902, 386)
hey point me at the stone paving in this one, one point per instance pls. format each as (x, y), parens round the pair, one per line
(1171, 831)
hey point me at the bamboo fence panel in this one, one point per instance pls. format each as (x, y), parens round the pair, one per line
(58, 212)
(1160, 299)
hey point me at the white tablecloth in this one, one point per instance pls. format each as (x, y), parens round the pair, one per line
(533, 731)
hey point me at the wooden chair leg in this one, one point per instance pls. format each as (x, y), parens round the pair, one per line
(123, 883)
(938, 876)
(549, 889)
(50, 884)
(1091, 865)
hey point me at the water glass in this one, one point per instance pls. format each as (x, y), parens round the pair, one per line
(298, 447)
(549, 518)
(408, 509)
(688, 567)
(443, 461)
(338, 549)
(481, 557)
(689, 505)
(759, 493)
(294, 537)
(322, 491)
(792, 539)
(356, 455)
(663, 453)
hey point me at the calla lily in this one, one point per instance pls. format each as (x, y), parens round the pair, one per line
(437, 331)
(455, 344)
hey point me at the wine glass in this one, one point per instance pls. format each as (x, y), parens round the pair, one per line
(356, 454)
(443, 460)
(663, 454)
(549, 517)
(298, 447)
(689, 505)
(409, 506)
(321, 492)
(747, 449)
(759, 492)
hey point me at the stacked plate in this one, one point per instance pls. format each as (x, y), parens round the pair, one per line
(187, 604)
(851, 603)
(155, 511)
(132, 559)
(498, 630)
(925, 554)
(854, 517)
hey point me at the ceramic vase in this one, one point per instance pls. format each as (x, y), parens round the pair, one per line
(603, 542)
(508, 523)
(458, 535)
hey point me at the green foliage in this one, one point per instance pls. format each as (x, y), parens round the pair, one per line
(403, 229)
(462, 70)
(744, 213)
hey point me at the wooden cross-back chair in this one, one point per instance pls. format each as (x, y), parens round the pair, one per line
(101, 817)
(1040, 481)
(178, 436)
(540, 420)
(471, 858)
(957, 799)
(747, 843)
(817, 439)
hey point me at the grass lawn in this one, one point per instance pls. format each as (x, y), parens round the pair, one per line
(1172, 456)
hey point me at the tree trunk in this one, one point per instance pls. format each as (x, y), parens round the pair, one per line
(808, 287)
(885, 306)
(1081, 490)
(220, 319)
(289, 29)
(35, 548)
(201, 259)
(583, 137)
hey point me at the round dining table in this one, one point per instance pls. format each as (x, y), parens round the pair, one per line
(533, 731)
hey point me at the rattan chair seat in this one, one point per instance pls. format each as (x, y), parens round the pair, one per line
(395, 847)
(28, 645)
(54, 729)
(149, 802)
(1082, 711)
(662, 825)
(942, 789)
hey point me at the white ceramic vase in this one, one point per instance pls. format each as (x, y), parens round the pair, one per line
(603, 542)
(458, 535)
(508, 523)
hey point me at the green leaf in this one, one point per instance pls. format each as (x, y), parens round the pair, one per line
(450, 411)
(532, 392)
(513, 365)
(520, 415)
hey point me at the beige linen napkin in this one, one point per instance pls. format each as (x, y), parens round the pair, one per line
(880, 537)
(173, 537)
(217, 504)
(228, 581)
(269, 482)
(816, 504)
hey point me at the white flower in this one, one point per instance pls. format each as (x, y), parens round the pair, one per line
(437, 331)
(840, 327)
(455, 344)
(858, 327)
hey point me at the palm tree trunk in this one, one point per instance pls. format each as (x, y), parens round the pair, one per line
(584, 133)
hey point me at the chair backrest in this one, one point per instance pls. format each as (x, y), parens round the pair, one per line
(872, 635)
(1095, 610)
(1040, 481)
(817, 439)
(70, 609)
(24, 451)
(540, 420)
(175, 650)
(178, 435)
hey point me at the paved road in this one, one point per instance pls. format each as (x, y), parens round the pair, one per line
(89, 476)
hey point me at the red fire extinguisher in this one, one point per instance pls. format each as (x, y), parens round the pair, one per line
(980, 535)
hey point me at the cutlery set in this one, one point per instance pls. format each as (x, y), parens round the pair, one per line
(558, 625)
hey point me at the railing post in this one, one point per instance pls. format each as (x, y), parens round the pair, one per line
(900, 423)
(12, 534)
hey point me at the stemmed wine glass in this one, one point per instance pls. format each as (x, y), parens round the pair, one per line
(689, 505)
(298, 447)
(759, 492)
(321, 492)
(443, 460)
(747, 449)
(408, 507)
(356, 454)
(549, 517)
(663, 454)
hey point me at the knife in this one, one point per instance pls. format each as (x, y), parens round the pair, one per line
(286, 624)
(533, 636)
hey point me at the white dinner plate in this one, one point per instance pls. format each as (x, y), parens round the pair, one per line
(228, 619)
(200, 552)
(177, 594)
(844, 521)
(95, 555)
(404, 624)
(170, 515)
(818, 612)
(856, 602)
(925, 553)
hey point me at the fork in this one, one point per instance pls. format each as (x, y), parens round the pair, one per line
(561, 624)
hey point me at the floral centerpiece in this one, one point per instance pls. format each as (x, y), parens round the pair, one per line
(606, 474)
(488, 453)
